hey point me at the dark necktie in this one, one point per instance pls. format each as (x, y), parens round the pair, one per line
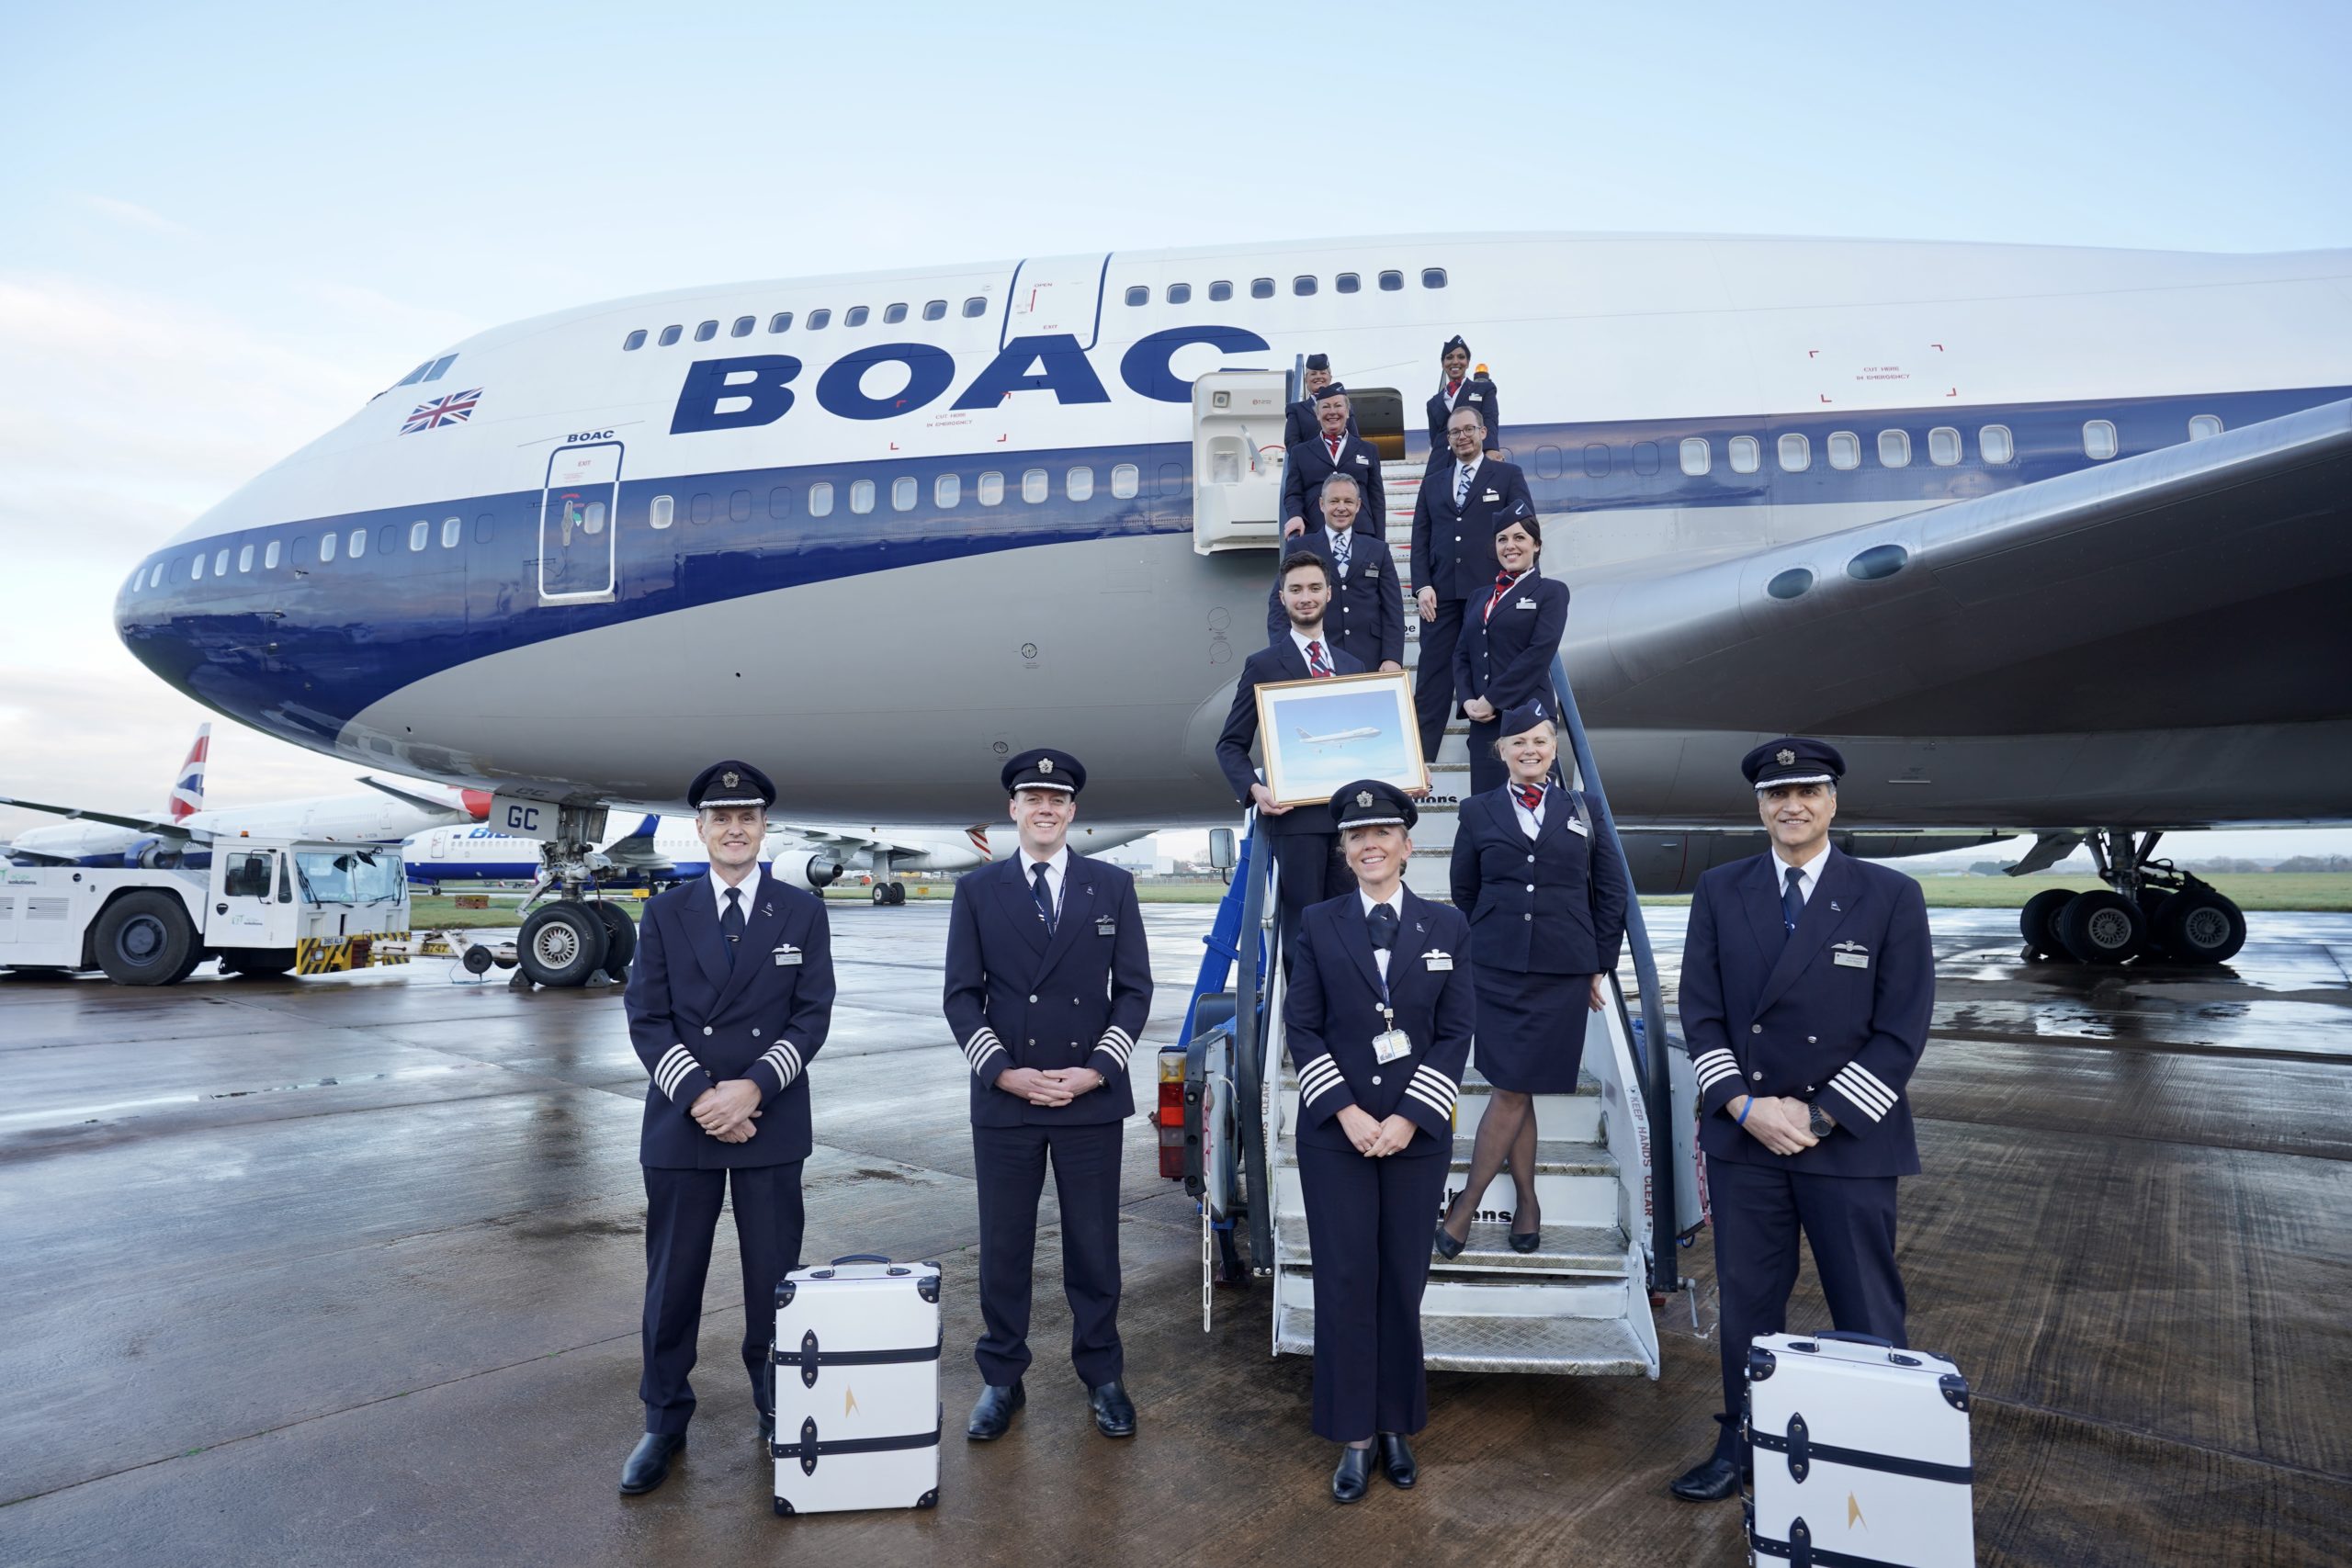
(1317, 665)
(1461, 485)
(731, 923)
(1383, 927)
(1043, 895)
(1333, 442)
(1792, 899)
(1531, 796)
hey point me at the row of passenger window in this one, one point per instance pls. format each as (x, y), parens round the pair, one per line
(354, 545)
(906, 493)
(855, 316)
(1302, 286)
(1994, 447)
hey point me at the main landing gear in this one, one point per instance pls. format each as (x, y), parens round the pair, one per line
(574, 937)
(2148, 908)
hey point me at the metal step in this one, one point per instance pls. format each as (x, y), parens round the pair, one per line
(1582, 1192)
(1565, 1346)
(1566, 1249)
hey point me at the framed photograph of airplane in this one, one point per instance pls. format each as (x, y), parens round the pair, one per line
(1318, 735)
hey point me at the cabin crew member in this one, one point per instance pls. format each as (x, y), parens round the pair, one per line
(1808, 983)
(1333, 450)
(1306, 851)
(1048, 986)
(1379, 1015)
(1546, 892)
(729, 1001)
(1367, 611)
(1454, 556)
(1508, 641)
(1456, 389)
(1299, 423)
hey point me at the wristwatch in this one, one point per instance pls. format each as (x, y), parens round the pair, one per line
(1818, 1119)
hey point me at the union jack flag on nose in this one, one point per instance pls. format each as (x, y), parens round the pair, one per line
(452, 410)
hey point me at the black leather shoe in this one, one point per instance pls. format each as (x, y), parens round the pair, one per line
(993, 1412)
(1354, 1475)
(648, 1462)
(1115, 1412)
(1711, 1482)
(1526, 1241)
(1447, 1248)
(1397, 1459)
(767, 1430)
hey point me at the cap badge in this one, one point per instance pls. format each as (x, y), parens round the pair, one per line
(1363, 797)
(1045, 764)
(1784, 756)
(730, 778)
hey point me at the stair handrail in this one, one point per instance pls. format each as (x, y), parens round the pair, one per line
(1250, 1033)
(1651, 1047)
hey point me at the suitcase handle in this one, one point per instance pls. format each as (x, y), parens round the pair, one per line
(878, 1257)
(1855, 1338)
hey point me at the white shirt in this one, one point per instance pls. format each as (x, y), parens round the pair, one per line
(1396, 901)
(1054, 870)
(1810, 870)
(1301, 639)
(749, 885)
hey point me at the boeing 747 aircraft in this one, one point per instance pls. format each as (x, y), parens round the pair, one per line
(2050, 540)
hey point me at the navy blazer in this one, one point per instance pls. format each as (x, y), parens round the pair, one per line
(695, 1022)
(1278, 660)
(1454, 553)
(1505, 655)
(1554, 905)
(1764, 1015)
(1331, 1012)
(1310, 464)
(1299, 423)
(1367, 613)
(1478, 394)
(1016, 997)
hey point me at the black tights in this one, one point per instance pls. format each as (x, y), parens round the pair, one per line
(1505, 1138)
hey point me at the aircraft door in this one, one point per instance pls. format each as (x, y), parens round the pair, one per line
(579, 518)
(1238, 459)
(1053, 296)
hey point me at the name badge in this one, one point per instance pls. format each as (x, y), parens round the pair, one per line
(1850, 955)
(1389, 1045)
(785, 956)
(1372, 571)
(1576, 827)
(1439, 963)
(1491, 495)
(1524, 605)
(1362, 459)
(1106, 926)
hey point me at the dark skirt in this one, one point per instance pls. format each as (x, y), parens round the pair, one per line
(1531, 1029)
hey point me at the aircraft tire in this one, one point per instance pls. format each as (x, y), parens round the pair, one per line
(561, 944)
(620, 938)
(2198, 925)
(881, 893)
(2038, 922)
(897, 894)
(146, 939)
(2103, 927)
(478, 960)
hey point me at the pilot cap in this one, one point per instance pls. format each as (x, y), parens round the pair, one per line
(1371, 803)
(1319, 362)
(1044, 768)
(1451, 344)
(1333, 390)
(1534, 713)
(731, 784)
(1792, 760)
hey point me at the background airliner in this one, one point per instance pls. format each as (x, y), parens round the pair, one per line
(2047, 539)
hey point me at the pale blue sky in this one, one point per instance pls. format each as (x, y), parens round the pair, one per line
(221, 229)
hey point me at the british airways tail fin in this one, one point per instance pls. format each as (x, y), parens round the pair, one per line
(186, 795)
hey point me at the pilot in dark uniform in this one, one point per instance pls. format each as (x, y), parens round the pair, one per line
(1367, 611)
(1456, 389)
(1378, 1017)
(1509, 636)
(1545, 893)
(1307, 852)
(1334, 448)
(729, 1001)
(1049, 987)
(1299, 423)
(1807, 983)
(1460, 507)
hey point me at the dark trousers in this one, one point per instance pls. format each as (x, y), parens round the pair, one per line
(1308, 868)
(1487, 769)
(1369, 1223)
(681, 1219)
(1011, 1169)
(1433, 699)
(1850, 1223)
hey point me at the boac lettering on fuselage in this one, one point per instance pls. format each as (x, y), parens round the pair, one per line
(757, 388)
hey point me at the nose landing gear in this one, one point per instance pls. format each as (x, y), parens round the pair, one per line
(2149, 908)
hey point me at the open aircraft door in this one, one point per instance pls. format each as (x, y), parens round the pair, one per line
(579, 517)
(1238, 459)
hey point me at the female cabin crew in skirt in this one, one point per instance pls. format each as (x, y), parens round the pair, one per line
(1379, 1016)
(1545, 893)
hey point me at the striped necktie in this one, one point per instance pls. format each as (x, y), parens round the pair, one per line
(1461, 485)
(1531, 796)
(1317, 665)
(1340, 549)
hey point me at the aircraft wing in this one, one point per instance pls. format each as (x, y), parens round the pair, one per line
(136, 824)
(2199, 584)
(410, 797)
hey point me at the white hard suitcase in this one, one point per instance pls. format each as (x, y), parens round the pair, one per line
(1861, 1453)
(855, 1362)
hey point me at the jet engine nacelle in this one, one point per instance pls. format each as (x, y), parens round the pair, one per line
(810, 873)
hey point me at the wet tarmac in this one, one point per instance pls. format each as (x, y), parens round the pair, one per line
(346, 1270)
